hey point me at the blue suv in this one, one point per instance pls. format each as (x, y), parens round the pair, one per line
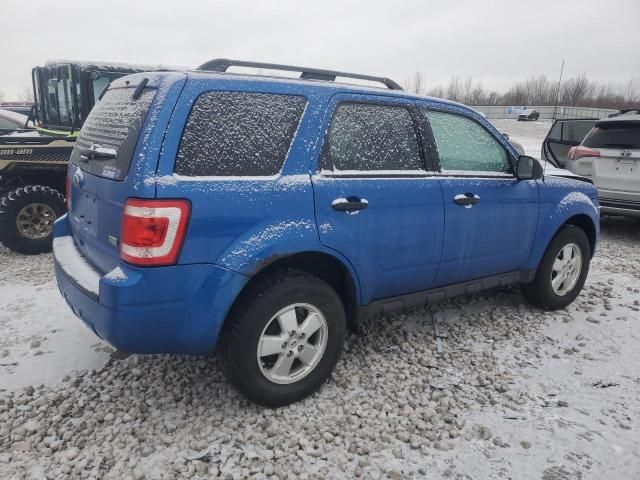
(263, 216)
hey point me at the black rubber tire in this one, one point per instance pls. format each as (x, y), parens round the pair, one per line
(11, 204)
(255, 308)
(540, 292)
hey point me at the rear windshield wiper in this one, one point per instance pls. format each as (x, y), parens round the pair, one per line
(97, 152)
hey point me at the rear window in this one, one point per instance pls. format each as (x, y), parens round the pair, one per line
(114, 123)
(570, 131)
(238, 134)
(614, 135)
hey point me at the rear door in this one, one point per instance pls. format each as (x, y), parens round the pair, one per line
(618, 166)
(376, 201)
(117, 149)
(491, 217)
(563, 135)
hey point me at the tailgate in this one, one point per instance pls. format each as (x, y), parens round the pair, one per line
(617, 169)
(618, 166)
(117, 149)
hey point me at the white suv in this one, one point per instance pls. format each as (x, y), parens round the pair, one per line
(609, 155)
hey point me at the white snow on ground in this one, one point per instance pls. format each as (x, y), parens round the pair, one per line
(529, 134)
(508, 391)
(41, 341)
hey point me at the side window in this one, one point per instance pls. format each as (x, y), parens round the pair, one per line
(368, 137)
(238, 134)
(464, 145)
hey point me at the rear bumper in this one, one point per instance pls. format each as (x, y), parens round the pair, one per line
(176, 309)
(620, 203)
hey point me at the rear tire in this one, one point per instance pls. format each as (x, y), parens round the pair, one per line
(558, 282)
(26, 218)
(300, 363)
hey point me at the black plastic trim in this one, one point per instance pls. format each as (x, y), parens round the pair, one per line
(626, 204)
(426, 297)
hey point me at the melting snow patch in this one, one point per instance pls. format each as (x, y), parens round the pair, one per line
(72, 262)
(278, 230)
(116, 275)
(574, 198)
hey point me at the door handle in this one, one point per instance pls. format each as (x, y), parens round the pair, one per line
(350, 205)
(467, 200)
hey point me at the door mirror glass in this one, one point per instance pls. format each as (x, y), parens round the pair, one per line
(528, 168)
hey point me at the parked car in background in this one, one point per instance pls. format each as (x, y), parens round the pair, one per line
(263, 216)
(529, 115)
(607, 151)
(12, 121)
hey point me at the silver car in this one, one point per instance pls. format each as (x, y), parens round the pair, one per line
(609, 155)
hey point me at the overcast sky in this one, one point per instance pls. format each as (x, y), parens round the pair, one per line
(496, 42)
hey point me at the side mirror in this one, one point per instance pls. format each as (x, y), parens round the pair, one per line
(528, 168)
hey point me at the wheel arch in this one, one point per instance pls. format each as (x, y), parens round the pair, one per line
(334, 271)
(564, 208)
(586, 224)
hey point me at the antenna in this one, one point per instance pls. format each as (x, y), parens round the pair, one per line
(555, 108)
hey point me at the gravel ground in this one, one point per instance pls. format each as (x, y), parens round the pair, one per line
(506, 391)
(513, 393)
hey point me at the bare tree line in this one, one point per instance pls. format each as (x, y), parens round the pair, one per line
(577, 91)
(25, 95)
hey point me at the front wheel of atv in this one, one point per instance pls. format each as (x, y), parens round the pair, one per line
(26, 218)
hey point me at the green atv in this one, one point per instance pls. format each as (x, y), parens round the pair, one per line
(33, 162)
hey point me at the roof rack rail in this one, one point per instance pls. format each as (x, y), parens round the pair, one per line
(222, 64)
(623, 111)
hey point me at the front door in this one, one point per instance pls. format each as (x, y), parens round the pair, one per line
(490, 216)
(376, 201)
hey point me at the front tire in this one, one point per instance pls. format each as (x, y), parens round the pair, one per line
(562, 271)
(284, 338)
(26, 218)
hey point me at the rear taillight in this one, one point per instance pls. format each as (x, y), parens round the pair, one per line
(67, 192)
(579, 152)
(153, 231)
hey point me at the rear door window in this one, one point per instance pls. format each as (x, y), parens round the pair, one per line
(570, 132)
(114, 123)
(614, 135)
(464, 145)
(370, 137)
(238, 134)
